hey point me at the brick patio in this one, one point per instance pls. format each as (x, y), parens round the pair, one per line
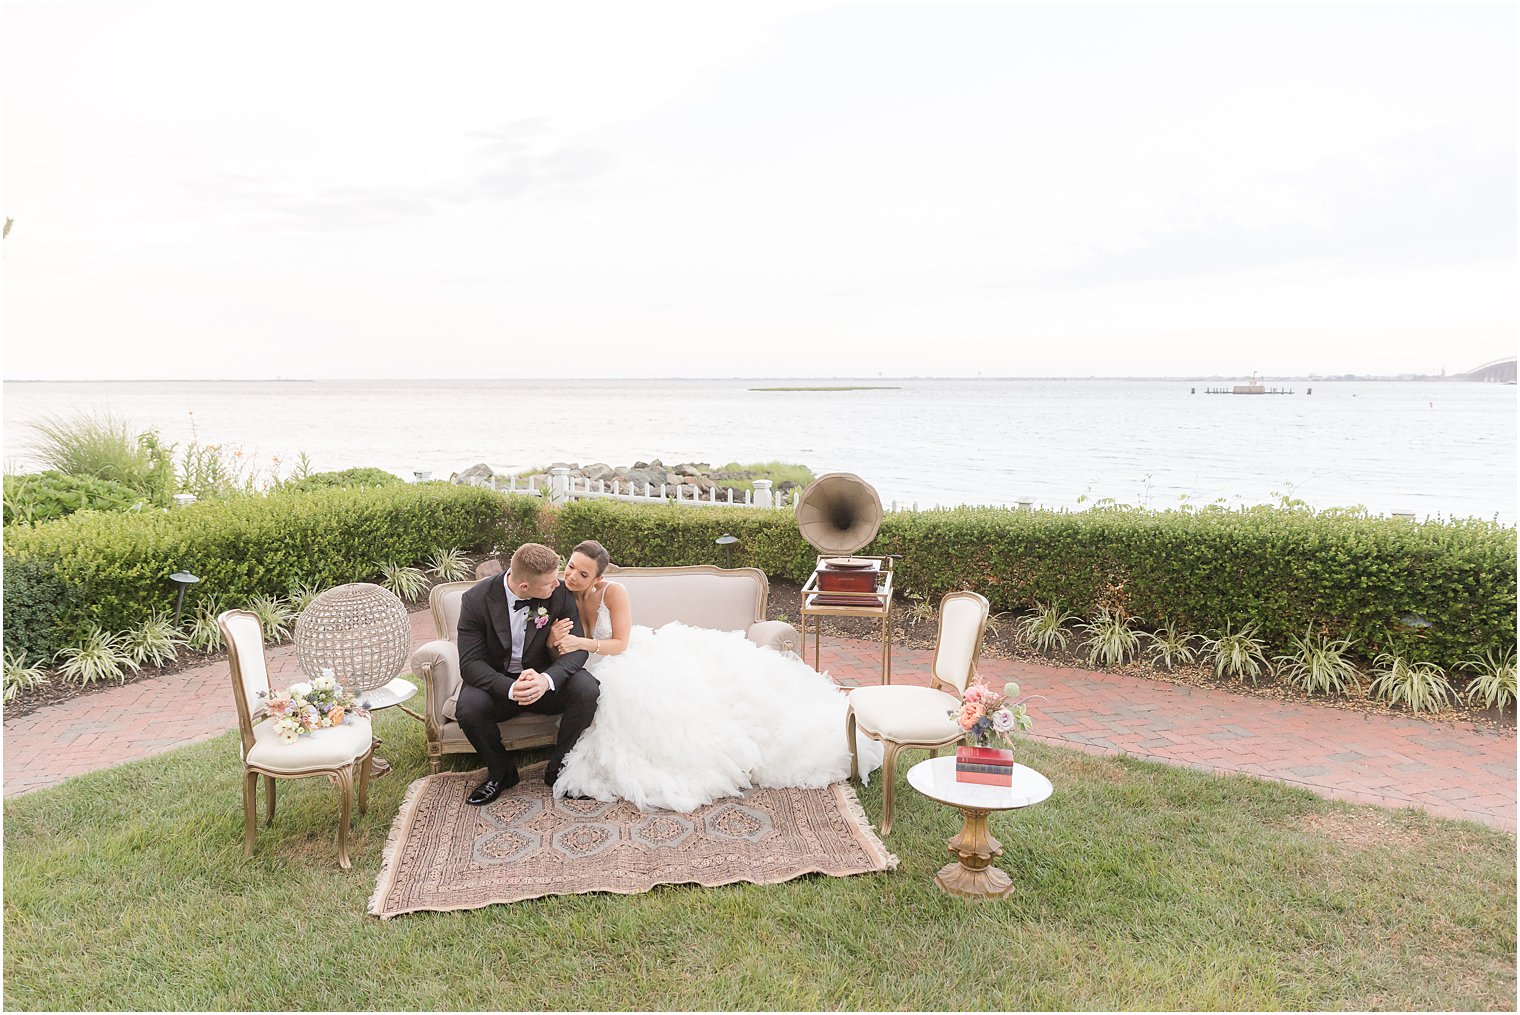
(1394, 761)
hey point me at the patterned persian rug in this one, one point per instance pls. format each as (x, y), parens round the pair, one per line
(444, 854)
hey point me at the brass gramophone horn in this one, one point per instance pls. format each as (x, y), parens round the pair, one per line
(839, 513)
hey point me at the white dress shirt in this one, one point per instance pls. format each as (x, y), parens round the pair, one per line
(519, 620)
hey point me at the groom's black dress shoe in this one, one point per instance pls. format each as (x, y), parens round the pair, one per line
(490, 790)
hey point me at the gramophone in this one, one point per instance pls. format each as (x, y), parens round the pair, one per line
(838, 514)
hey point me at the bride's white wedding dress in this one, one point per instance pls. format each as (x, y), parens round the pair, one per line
(688, 715)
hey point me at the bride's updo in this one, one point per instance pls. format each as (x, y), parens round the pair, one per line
(593, 551)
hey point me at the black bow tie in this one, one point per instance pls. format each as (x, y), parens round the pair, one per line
(521, 604)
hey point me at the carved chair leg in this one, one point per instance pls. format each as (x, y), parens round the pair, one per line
(888, 784)
(344, 777)
(250, 810)
(269, 784)
(849, 736)
(365, 768)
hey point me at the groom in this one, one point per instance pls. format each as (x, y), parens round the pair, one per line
(504, 624)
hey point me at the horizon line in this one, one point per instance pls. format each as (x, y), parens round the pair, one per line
(1402, 375)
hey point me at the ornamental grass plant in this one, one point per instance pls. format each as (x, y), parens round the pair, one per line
(21, 676)
(1239, 654)
(405, 581)
(276, 618)
(1044, 630)
(1493, 681)
(1169, 646)
(449, 564)
(101, 656)
(1421, 686)
(153, 642)
(1319, 664)
(1111, 639)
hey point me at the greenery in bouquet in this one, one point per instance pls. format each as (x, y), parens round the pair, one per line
(307, 707)
(991, 718)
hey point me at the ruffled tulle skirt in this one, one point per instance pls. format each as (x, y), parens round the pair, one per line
(689, 715)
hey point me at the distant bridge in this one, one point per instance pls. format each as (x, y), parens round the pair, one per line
(1499, 371)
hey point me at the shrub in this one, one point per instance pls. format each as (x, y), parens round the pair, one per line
(99, 657)
(1045, 628)
(1111, 640)
(348, 477)
(21, 677)
(1494, 683)
(1421, 686)
(1319, 664)
(153, 641)
(35, 601)
(1169, 646)
(115, 567)
(43, 496)
(1239, 654)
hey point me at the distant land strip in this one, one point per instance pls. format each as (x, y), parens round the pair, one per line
(858, 387)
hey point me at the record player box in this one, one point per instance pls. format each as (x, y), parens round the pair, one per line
(854, 579)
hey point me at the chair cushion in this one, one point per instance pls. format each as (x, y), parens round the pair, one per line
(907, 715)
(329, 748)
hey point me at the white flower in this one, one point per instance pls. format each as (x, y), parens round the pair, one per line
(1002, 720)
(300, 690)
(326, 682)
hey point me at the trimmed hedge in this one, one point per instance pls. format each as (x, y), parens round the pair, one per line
(1282, 569)
(115, 568)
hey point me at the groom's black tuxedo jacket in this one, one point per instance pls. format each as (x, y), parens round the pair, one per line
(485, 636)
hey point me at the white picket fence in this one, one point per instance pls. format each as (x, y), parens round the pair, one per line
(564, 487)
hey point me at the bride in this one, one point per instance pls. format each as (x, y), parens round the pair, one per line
(688, 715)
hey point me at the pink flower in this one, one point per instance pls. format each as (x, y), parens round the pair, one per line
(973, 693)
(970, 713)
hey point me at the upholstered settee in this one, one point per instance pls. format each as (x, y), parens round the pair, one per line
(700, 596)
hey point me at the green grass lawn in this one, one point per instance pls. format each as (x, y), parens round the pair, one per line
(1137, 886)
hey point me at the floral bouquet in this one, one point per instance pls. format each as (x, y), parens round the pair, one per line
(307, 707)
(987, 719)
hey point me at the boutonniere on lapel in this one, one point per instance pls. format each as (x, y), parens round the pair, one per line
(541, 618)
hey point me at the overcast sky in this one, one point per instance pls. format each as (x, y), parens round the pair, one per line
(643, 189)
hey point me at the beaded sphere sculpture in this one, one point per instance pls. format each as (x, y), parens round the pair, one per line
(360, 631)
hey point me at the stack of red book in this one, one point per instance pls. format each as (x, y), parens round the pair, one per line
(992, 766)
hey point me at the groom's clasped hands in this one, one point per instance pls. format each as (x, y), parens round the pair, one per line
(529, 687)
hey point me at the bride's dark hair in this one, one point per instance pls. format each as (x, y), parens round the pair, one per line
(594, 550)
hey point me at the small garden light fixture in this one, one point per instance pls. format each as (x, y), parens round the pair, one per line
(727, 542)
(184, 579)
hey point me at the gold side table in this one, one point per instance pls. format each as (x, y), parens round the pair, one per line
(817, 604)
(972, 875)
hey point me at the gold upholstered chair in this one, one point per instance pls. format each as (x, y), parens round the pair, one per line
(340, 753)
(902, 715)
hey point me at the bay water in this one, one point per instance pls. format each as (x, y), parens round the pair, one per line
(1434, 448)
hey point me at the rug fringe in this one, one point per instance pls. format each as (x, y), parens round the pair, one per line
(392, 843)
(853, 807)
